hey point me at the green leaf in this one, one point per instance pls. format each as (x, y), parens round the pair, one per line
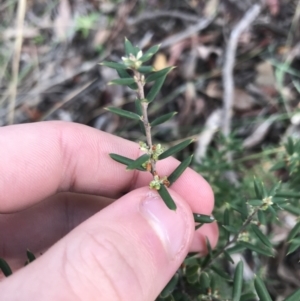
(289, 146)
(174, 149)
(243, 210)
(228, 257)
(262, 237)
(124, 74)
(113, 65)
(294, 232)
(162, 119)
(277, 166)
(204, 281)
(238, 282)
(255, 202)
(257, 249)
(288, 194)
(220, 272)
(149, 53)
(124, 160)
(261, 290)
(295, 296)
(30, 256)
(4, 267)
(138, 162)
(145, 69)
(294, 245)
(169, 288)
(226, 220)
(129, 48)
(155, 88)
(230, 229)
(180, 169)
(262, 217)
(164, 194)
(236, 249)
(258, 188)
(122, 81)
(204, 219)
(248, 297)
(154, 76)
(124, 113)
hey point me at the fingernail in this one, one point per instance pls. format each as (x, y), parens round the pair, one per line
(170, 226)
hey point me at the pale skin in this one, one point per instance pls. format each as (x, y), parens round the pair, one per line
(103, 233)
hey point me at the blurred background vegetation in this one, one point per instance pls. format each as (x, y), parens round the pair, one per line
(49, 70)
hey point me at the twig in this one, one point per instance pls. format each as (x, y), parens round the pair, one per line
(228, 81)
(202, 24)
(233, 240)
(144, 104)
(16, 60)
(159, 14)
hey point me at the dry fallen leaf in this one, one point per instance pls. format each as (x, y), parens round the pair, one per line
(242, 100)
(265, 74)
(160, 61)
(63, 21)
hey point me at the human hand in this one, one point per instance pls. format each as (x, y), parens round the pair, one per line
(107, 235)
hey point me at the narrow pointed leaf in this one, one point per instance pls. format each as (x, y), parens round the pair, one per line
(138, 162)
(258, 188)
(30, 256)
(204, 219)
(145, 69)
(122, 81)
(294, 232)
(162, 119)
(129, 48)
(262, 217)
(226, 221)
(261, 290)
(238, 282)
(149, 53)
(208, 245)
(277, 166)
(295, 296)
(289, 146)
(230, 229)
(124, 113)
(220, 272)
(154, 76)
(113, 65)
(288, 194)
(262, 237)
(236, 249)
(155, 88)
(248, 297)
(255, 202)
(163, 192)
(294, 245)
(124, 160)
(180, 169)
(228, 257)
(124, 74)
(169, 288)
(4, 267)
(257, 249)
(174, 149)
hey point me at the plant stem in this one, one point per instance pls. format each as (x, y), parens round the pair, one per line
(141, 95)
(233, 240)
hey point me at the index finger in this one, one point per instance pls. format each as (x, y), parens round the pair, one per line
(40, 159)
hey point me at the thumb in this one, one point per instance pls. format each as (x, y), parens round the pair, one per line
(127, 251)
